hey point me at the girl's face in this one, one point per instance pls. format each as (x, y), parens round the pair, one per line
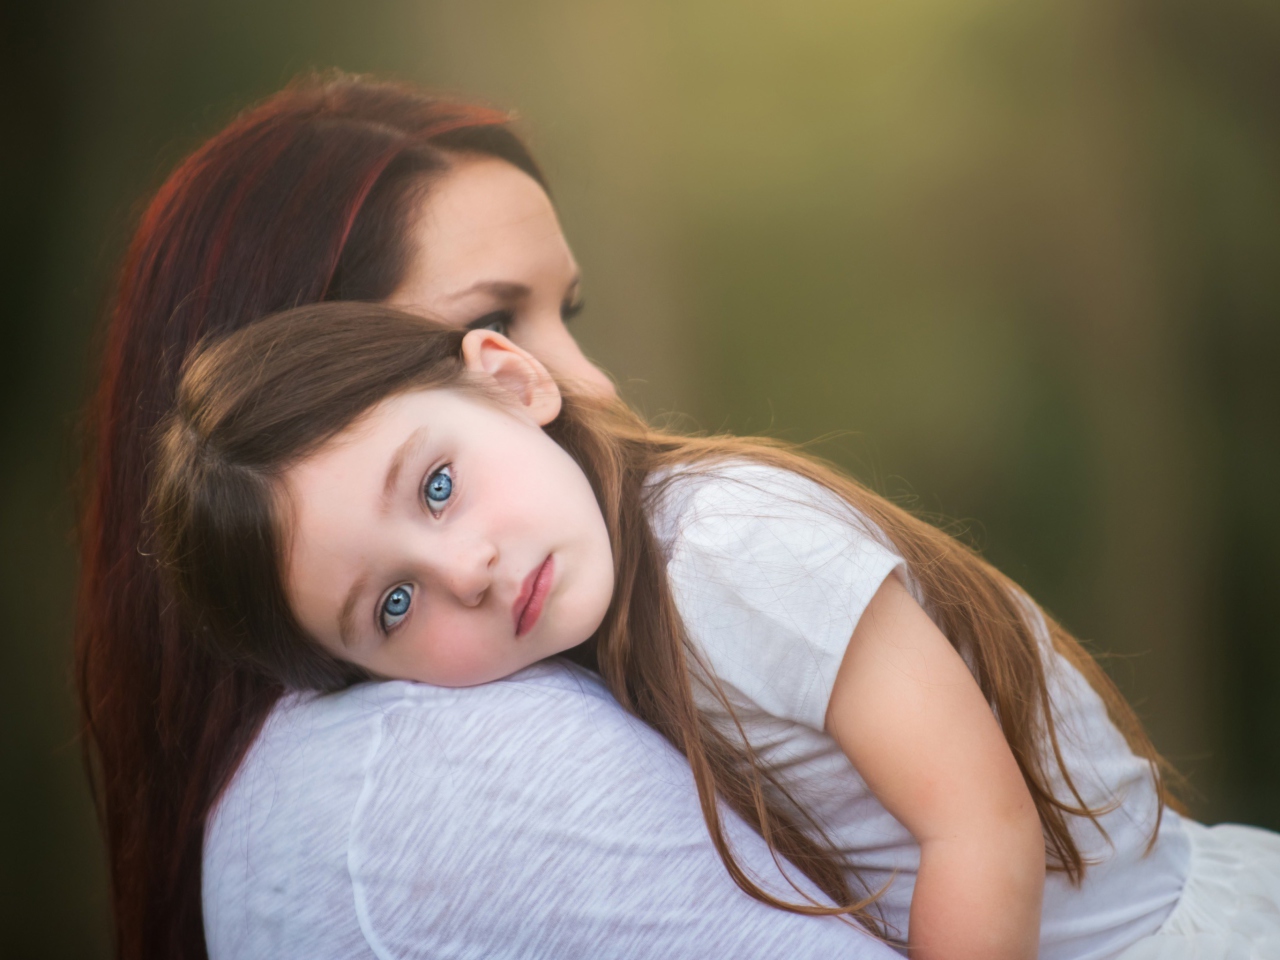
(445, 537)
(491, 255)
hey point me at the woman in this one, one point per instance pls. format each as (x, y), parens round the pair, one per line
(333, 189)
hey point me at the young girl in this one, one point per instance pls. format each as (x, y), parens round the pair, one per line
(346, 492)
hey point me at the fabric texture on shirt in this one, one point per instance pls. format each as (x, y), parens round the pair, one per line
(527, 818)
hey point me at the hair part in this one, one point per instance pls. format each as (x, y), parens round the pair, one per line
(254, 403)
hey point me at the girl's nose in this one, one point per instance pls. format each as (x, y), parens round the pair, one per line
(467, 573)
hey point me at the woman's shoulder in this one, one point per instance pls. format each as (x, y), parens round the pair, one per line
(301, 720)
(379, 821)
(317, 752)
(387, 778)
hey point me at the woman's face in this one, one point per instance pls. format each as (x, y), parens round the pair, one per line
(446, 538)
(490, 254)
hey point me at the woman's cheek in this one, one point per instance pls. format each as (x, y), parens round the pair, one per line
(557, 348)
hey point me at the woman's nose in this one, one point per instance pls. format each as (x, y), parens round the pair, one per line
(467, 573)
(564, 358)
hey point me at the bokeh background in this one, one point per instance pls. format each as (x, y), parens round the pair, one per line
(1017, 264)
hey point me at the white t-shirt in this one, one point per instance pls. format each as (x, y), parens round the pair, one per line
(526, 818)
(771, 573)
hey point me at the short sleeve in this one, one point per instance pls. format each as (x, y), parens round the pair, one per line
(771, 573)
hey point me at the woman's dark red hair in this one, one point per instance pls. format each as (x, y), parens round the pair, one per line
(306, 197)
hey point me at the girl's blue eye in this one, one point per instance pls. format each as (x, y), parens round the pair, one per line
(439, 488)
(395, 608)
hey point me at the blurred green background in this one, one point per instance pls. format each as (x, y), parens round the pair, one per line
(1014, 263)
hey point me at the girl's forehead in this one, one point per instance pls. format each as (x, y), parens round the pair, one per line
(420, 411)
(410, 408)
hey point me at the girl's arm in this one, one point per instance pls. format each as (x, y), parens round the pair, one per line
(907, 712)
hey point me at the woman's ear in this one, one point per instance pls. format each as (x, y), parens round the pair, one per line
(517, 373)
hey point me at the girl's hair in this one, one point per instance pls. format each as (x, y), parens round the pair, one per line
(257, 402)
(306, 197)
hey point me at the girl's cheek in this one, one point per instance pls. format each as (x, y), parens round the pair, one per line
(465, 670)
(458, 658)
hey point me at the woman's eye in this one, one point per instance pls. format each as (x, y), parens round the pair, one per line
(395, 608)
(570, 310)
(438, 489)
(499, 322)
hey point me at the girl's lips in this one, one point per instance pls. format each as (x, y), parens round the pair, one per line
(533, 594)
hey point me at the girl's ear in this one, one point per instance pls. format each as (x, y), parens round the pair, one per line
(519, 374)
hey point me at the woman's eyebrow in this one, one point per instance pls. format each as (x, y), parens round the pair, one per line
(508, 290)
(502, 289)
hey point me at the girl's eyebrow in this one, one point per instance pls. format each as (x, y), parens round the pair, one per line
(346, 616)
(411, 445)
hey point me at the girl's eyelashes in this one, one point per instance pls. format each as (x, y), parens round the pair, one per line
(395, 607)
(499, 321)
(570, 309)
(438, 489)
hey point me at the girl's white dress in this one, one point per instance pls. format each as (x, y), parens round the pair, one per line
(771, 573)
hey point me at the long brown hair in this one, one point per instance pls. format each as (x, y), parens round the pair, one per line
(260, 400)
(306, 197)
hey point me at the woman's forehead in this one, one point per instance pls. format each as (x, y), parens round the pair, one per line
(485, 221)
